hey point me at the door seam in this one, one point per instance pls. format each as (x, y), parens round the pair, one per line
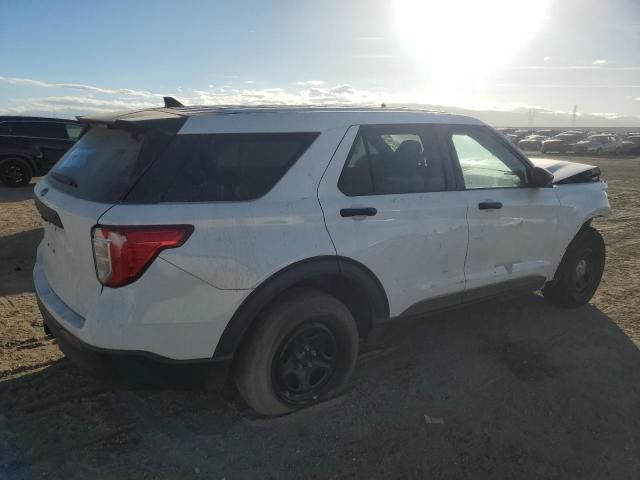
(324, 216)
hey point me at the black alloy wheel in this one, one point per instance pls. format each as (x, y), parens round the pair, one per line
(304, 363)
(14, 172)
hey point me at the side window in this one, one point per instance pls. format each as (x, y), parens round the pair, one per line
(73, 131)
(25, 129)
(356, 177)
(485, 162)
(39, 129)
(393, 160)
(220, 167)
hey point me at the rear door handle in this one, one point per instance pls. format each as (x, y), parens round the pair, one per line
(355, 212)
(490, 205)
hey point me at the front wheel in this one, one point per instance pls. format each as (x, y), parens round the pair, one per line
(580, 271)
(303, 351)
(15, 172)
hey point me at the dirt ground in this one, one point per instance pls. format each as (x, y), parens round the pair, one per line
(517, 389)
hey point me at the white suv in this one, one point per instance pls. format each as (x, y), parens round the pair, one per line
(271, 242)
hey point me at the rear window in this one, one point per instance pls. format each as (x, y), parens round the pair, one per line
(102, 166)
(220, 167)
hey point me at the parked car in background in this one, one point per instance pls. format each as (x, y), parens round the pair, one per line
(548, 132)
(522, 133)
(512, 137)
(30, 146)
(561, 143)
(532, 142)
(631, 145)
(599, 144)
(269, 243)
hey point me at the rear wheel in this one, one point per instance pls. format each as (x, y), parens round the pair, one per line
(580, 271)
(15, 172)
(303, 351)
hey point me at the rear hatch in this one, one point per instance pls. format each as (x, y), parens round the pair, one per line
(96, 173)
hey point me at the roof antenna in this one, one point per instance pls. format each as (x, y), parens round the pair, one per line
(170, 102)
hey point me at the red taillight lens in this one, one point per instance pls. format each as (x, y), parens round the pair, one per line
(122, 254)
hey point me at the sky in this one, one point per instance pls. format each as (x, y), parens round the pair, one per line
(68, 58)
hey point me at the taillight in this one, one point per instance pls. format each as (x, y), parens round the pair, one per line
(122, 254)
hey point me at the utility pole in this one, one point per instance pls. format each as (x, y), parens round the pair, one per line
(531, 117)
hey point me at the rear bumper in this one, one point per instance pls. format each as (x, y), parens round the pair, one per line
(122, 366)
(135, 368)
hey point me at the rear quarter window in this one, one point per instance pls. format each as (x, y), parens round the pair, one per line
(220, 167)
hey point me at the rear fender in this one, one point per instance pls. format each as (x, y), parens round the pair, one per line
(300, 273)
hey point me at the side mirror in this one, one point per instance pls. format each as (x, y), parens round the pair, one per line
(541, 178)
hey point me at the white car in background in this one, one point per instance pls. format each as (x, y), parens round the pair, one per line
(600, 144)
(270, 243)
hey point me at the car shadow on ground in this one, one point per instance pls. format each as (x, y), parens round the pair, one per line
(500, 390)
(17, 194)
(17, 257)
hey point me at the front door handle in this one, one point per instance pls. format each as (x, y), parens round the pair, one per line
(355, 212)
(490, 205)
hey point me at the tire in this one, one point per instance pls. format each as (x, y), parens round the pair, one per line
(580, 271)
(303, 351)
(15, 172)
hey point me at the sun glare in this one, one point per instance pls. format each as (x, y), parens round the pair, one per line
(450, 37)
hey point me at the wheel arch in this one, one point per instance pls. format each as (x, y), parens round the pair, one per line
(28, 159)
(586, 223)
(348, 280)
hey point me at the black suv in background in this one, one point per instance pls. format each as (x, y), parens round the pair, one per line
(29, 146)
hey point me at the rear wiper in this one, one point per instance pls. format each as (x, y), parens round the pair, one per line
(64, 179)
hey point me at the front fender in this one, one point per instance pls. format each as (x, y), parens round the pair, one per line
(579, 204)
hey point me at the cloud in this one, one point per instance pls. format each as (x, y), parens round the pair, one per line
(598, 67)
(77, 86)
(314, 95)
(607, 115)
(600, 62)
(251, 82)
(342, 89)
(76, 105)
(88, 99)
(546, 59)
(310, 83)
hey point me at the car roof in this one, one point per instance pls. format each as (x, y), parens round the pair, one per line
(21, 118)
(266, 118)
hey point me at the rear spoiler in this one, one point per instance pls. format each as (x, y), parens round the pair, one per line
(154, 119)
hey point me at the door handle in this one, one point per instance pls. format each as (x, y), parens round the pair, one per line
(490, 205)
(355, 212)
